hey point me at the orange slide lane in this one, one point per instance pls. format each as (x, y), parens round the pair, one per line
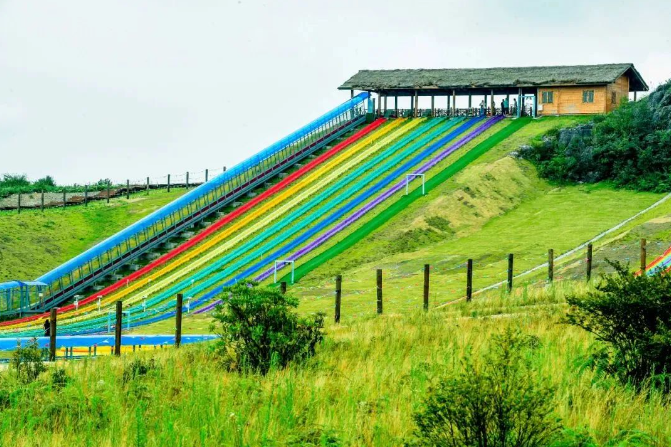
(216, 226)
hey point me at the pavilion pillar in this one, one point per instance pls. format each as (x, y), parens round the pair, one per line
(416, 104)
(412, 105)
(433, 106)
(385, 103)
(493, 104)
(396, 105)
(379, 103)
(351, 94)
(508, 101)
(519, 102)
(454, 102)
(470, 102)
(634, 96)
(485, 101)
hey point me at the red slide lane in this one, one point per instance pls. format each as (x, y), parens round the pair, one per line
(217, 225)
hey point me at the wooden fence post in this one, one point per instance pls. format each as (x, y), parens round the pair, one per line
(168, 182)
(178, 320)
(108, 193)
(117, 328)
(589, 262)
(379, 291)
(86, 195)
(510, 272)
(52, 334)
(127, 189)
(187, 179)
(427, 269)
(469, 280)
(551, 265)
(42, 201)
(147, 185)
(18, 204)
(644, 250)
(283, 287)
(207, 176)
(338, 297)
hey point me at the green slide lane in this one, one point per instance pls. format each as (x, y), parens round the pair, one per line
(405, 201)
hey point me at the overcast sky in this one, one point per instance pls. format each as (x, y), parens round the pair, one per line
(128, 89)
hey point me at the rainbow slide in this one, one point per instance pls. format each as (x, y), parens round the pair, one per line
(290, 222)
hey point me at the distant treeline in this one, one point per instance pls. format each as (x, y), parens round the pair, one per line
(630, 147)
(19, 183)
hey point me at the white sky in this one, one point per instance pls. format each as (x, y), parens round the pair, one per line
(129, 89)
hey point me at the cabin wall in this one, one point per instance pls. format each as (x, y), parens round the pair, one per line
(568, 101)
(616, 91)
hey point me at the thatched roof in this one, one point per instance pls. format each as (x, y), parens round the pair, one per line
(501, 77)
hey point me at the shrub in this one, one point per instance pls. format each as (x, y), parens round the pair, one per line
(27, 361)
(138, 368)
(499, 402)
(259, 329)
(631, 315)
(59, 378)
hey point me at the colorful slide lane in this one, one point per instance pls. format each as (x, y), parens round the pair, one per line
(213, 228)
(661, 264)
(335, 216)
(333, 168)
(357, 205)
(373, 176)
(397, 123)
(84, 341)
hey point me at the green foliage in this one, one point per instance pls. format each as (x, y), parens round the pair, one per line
(138, 368)
(632, 316)
(499, 402)
(582, 438)
(27, 362)
(260, 330)
(60, 378)
(630, 147)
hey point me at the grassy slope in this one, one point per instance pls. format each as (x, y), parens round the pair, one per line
(32, 243)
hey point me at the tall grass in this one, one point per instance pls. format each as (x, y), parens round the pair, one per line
(367, 379)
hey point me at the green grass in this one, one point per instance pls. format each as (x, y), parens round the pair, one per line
(32, 243)
(361, 388)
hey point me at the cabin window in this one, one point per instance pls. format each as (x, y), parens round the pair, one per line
(588, 96)
(613, 98)
(547, 97)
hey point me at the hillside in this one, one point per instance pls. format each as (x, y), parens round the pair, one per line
(32, 243)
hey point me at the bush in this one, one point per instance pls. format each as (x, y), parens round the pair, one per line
(630, 147)
(259, 329)
(138, 368)
(27, 361)
(496, 403)
(631, 315)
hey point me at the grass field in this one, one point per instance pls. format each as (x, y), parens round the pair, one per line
(361, 389)
(32, 243)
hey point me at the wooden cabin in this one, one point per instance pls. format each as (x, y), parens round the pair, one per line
(552, 90)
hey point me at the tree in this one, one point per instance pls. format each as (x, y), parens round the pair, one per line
(631, 315)
(259, 329)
